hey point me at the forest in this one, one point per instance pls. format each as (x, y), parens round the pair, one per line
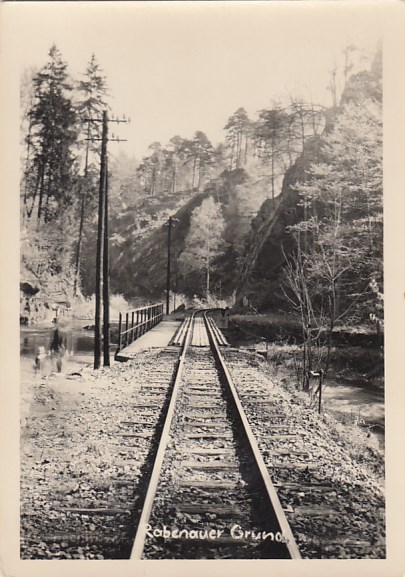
(284, 215)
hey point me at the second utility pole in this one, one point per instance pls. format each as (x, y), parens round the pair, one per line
(106, 277)
(168, 266)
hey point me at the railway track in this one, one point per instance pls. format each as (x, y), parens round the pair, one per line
(196, 456)
(210, 495)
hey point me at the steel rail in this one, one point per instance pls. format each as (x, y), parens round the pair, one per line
(271, 491)
(139, 542)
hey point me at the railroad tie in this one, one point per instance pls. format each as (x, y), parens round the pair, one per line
(93, 511)
(203, 451)
(209, 465)
(203, 508)
(209, 485)
(204, 394)
(202, 406)
(288, 452)
(304, 488)
(138, 422)
(293, 465)
(142, 435)
(208, 436)
(207, 425)
(316, 512)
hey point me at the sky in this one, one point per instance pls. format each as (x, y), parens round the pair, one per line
(175, 68)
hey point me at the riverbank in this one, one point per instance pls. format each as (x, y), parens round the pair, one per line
(353, 389)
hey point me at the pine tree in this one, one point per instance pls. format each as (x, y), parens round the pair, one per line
(26, 103)
(270, 136)
(151, 170)
(92, 92)
(50, 178)
(202, 156)
(52, 138)
(237, 128)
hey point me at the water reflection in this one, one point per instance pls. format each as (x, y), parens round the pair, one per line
(79, 340)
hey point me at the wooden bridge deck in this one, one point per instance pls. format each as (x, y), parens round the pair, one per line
(158, 337)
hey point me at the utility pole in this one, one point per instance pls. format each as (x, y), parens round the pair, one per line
(169, 232)
(106, 278)
(102, 330)
(168, 266)
(100, 241)
(208, 268)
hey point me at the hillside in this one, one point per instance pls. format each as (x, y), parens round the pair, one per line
(139, 266)
(270, 240)
(257, 237)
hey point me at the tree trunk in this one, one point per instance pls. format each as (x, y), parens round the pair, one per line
(238, 148)
(41, 190)
(208, 270)
(82, 210)
(79, 247)
(194, 171)
(25, 212)
(30, 211)
(199, 174)
(48, 190)
(174, 177)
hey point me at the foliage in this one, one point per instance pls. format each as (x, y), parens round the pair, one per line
(57, 196)
(335, 276)
(123, 191)
(50, 174)
(204, 243)
(91, 93)
(280, 134)
(181, 164)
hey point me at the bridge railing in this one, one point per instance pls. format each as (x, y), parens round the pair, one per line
(136, 322)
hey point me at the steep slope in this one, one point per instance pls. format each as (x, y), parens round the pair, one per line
(269, 241)
(139, 270)
(129, 227)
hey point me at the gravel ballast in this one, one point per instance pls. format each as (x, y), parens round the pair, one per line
(87, 442)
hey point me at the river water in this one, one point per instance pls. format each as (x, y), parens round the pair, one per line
(80, 342)
(360, 404)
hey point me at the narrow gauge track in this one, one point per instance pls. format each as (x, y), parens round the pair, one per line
(210, 495)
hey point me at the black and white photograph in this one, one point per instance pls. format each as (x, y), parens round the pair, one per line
(201, 218)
